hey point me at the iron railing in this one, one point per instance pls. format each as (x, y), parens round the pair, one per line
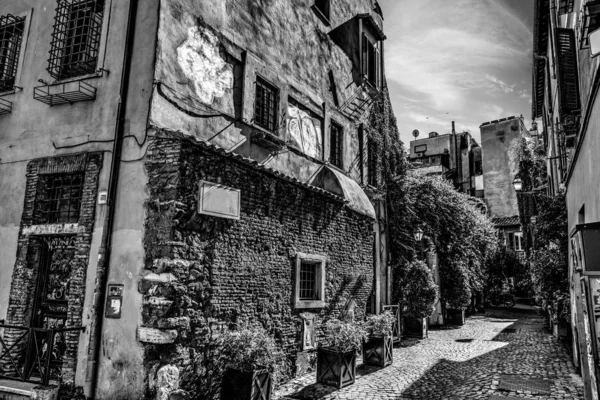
(30, 354)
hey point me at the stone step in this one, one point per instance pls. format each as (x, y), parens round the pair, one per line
(15, 390)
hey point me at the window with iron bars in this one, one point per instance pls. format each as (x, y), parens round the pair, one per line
(59, 198)
(11, 36)
(308, 281)
(336, 139)
(76, 38)
(265, 104)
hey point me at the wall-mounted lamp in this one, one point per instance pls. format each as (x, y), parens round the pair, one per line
(418, 234)
(518, 184)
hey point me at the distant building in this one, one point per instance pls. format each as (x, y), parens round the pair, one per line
(456, 156)
(499, 169)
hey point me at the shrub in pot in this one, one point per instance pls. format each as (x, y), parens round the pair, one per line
(458, 297)
(252, 362)
(378, 349)
(336, 356)
(418, 296)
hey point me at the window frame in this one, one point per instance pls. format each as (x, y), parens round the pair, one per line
(44, 213)
(106, 20)
(276, 91)
(339, 162)
(371, 63)
(518, 239)
(323, 14)
(319, 262)
(20, 62)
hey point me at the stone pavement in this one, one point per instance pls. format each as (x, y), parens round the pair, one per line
(511, 355)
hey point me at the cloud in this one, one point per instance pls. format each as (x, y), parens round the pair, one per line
(524, 94)
(468, 58)
(499, 84)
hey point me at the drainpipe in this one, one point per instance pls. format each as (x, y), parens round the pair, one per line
(105, 247)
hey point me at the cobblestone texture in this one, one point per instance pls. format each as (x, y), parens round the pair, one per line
(442, 368)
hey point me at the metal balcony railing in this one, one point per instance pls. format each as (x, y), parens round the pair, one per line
(32, 354)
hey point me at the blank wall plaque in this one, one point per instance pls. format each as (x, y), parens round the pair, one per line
(218, 200)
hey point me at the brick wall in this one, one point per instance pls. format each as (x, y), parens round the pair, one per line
(204, 271)
(25, 273)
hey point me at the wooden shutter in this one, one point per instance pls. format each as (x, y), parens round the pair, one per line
(567, 72)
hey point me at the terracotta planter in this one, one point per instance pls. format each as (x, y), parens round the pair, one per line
(335, 368)
(456, 316)
(246, 385)
(378, 351)
(416, 327)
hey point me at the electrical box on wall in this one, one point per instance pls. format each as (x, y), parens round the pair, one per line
(114, 301)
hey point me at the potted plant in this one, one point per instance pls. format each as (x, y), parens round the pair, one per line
(252, 362)
(458, 298)
(378, 350)
(336, 359)
(418, 296)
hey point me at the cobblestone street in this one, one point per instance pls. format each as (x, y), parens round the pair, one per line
(501, 355)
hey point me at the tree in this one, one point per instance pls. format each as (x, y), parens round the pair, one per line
(452, 222)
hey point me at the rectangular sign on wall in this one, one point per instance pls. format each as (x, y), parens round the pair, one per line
(218, 200)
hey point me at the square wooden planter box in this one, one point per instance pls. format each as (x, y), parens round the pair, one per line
(378, 351)
(246, 385)
(456, 316)
(416, 327)
(335, 368)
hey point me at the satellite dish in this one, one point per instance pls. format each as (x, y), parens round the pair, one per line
(416, 133)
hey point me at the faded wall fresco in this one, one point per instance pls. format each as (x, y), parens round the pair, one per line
(305, 132)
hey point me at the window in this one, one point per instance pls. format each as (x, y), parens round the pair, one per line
(76, 38)
(478, 167)
(310, 281)
(336, 137)
(565, 6)
(590, 21)
(518, 241)
(59, 198)
(371, 58)
(265, 104)
(11, 35)
(361, 154)
(321, 8)
(372, 174)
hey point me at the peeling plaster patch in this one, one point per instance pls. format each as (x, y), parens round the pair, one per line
(201, 62)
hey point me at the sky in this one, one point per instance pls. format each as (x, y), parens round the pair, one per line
(467, 61)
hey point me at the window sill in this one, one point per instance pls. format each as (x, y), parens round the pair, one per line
(304, 304)
(98, 74)
(321, 16)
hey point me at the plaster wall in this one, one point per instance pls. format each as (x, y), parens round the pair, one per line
(35, 130)
(499, 166)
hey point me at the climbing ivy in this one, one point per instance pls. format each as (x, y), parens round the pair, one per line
(452, 223)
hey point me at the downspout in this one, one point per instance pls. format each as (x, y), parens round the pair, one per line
(105, 247)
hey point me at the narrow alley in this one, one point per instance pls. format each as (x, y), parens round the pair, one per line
(503, 354)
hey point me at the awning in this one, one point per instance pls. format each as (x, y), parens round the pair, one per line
(336, 182)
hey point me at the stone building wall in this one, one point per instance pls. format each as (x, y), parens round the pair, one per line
(205, 273)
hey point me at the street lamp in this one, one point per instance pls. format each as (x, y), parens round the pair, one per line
(419, 234)
(518, 184)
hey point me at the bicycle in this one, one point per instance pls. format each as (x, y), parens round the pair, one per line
(505, 299)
